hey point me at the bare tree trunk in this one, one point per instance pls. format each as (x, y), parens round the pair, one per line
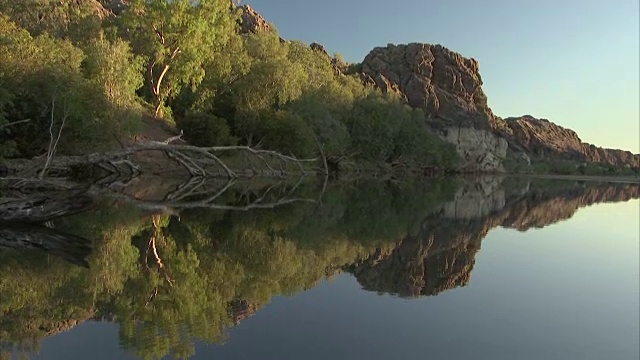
(157, 92)
(197, 161)
(53, 144)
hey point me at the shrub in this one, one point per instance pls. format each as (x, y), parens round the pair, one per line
(206, 130)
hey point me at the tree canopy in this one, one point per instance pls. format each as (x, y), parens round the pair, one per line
(75, 74)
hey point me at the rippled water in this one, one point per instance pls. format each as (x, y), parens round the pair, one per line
(448, 269)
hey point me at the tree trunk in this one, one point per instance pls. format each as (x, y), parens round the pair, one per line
(156, 89)
(159, 112)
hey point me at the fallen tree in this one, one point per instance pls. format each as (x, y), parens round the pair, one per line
(42, 200)
(197, 161)
(53, 186)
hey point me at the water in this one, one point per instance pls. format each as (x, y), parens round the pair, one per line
(482, 269)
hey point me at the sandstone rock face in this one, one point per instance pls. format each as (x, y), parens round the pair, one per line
(382, 83)
(448, 87)
(252, 22)
(481, 150)
(542, 138)
(445, 84)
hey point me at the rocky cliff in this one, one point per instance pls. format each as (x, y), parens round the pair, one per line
(541, 138)
(448, 87)
(443, 83)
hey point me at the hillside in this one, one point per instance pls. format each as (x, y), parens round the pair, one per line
(448, 87)
(224, 76)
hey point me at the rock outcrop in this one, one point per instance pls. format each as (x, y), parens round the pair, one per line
(339, 67)
(480, 149)
(540, 138)
(445, 84)
(252, 22)
(448, 87)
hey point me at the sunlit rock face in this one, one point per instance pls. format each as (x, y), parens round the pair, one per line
(252, 22)
(448, 87)
(480, 150)
(542, 138)
(442, 82)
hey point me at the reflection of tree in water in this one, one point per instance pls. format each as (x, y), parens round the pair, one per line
(170, 281)
(211, 269)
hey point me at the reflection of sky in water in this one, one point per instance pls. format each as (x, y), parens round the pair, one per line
(568, 291)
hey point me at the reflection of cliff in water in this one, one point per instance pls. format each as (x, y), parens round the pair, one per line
(441, 255)
(153, 271)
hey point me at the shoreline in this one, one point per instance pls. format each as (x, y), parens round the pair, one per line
(598, 178)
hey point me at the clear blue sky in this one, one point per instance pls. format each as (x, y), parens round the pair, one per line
(574, 62)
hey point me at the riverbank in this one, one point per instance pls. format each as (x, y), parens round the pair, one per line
(598, 178)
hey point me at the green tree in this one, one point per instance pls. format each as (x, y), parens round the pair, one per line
(206, 130)
(176, 38)
(111, 67)
(44, 83)
(73, 20)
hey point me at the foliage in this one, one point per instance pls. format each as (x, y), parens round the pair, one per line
(73, 20)
(206, 130)
(280, 130)
(176, 38)
(89, 70)
(112, 66)
(399, 133)
(57, 95)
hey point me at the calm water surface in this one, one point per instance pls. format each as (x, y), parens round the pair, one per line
(487, 269)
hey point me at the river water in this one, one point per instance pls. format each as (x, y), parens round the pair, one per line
(441, 269)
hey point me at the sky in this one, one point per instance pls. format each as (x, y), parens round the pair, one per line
(574, 62)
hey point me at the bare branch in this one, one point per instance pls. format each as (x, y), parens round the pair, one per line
(194, 159)
(174, 138)
(14, 123)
